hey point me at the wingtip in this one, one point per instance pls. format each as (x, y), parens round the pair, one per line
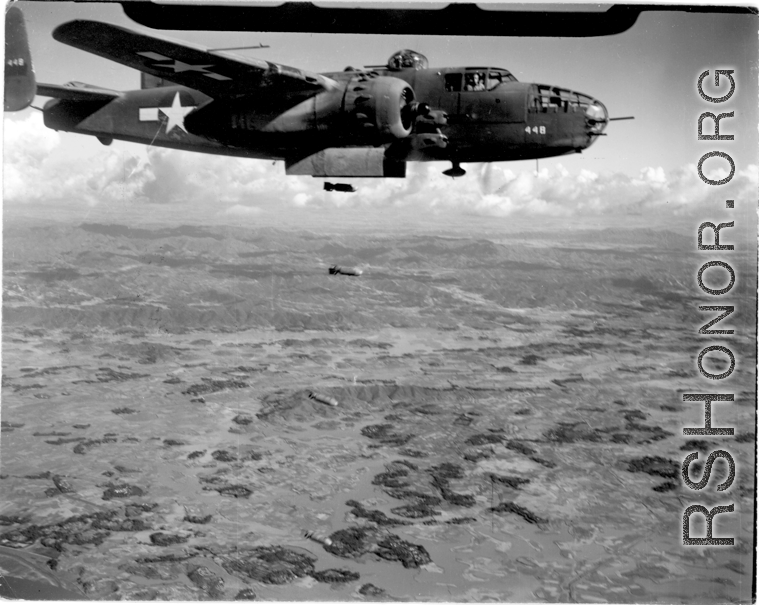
(79, 28)
(62, 31)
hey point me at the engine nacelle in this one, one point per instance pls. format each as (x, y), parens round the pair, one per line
(382, 104)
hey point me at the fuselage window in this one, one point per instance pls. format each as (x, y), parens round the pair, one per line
(544, 99)
(453, 82)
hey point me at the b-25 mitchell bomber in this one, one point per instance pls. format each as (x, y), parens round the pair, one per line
(353, 123)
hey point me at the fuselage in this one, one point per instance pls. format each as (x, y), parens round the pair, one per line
(510, 121)
(490, 117)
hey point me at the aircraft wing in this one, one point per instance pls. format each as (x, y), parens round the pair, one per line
(215, 73)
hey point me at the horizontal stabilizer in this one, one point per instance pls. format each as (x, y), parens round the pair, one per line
(77, 92)
(20, 83)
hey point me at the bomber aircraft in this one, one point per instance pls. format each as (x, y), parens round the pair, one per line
(353, 123)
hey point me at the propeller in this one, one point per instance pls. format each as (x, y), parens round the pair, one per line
(486, 178)
(408, 108)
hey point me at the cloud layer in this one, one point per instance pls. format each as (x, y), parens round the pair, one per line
(36, 170)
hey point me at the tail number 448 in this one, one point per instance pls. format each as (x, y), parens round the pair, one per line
(535, 130)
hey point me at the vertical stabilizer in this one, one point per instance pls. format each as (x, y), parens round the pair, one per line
(20, 84)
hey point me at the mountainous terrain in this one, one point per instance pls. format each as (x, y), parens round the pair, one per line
(508, 428)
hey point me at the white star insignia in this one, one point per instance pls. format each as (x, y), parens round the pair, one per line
(174, 114)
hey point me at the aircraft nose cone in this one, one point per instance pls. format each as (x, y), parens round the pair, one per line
(596, 117)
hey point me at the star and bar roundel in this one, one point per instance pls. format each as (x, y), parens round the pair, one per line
(174, 114)
(163, 62)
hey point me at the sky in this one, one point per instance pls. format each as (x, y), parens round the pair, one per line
(644, 165)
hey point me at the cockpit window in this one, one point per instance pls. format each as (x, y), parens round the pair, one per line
(453, 82)
(498, 77)
(494, 79)
(477, 79)
(474, 81)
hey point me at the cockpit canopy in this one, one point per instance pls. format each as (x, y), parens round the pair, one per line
(405, 59)
(477, 79)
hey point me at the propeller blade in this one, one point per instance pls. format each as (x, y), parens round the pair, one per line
(485, 179)
(624, 118)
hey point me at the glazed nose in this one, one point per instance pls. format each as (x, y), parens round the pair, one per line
(596, 117)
